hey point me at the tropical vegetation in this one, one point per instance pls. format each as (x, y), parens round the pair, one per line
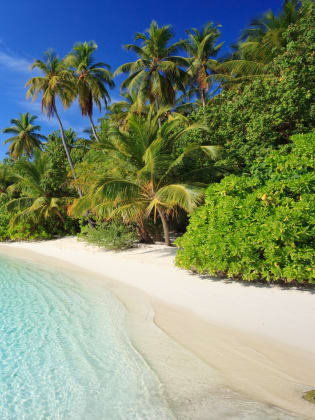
(140, 180)
(217, 145)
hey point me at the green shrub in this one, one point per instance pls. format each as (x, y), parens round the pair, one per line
(110, 235)
(31, 231)
(28, 231)
(258, 227)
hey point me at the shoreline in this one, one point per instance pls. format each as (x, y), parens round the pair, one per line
(258, 342)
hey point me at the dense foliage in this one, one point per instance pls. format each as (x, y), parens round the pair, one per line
(262, 114)
(188, 118)
(258, 226)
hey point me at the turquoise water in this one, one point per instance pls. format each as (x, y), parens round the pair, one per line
(65, 352)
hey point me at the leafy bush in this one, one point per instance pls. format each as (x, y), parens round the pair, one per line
(30, 231)
(110, 235)
(258, 227)
(27, 231)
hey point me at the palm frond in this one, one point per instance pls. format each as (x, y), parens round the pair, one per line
(186, 196)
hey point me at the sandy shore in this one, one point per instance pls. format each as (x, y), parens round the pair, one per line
(222, 348)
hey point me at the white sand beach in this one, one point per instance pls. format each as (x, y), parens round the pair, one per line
(258, 342)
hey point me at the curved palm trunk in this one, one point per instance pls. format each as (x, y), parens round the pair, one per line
(165, 226)
(60, 216)
(91, 223)
(67, 150)
(93, 129)
(144, 236)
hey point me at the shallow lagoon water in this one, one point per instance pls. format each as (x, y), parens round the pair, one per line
(65, 352)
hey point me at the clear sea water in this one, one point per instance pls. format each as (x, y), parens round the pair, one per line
(65, 351)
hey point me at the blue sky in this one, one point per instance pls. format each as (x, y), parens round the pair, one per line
(28, 28)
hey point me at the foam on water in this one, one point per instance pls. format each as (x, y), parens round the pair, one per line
(65, 352)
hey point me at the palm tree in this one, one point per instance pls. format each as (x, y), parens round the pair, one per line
(140, 177)
(25, 136)
(120, 111)
(200, 47)
(269, 28)
(35, 201)
(157, 74)
(92, 79)
(56, 82)
(261, 42)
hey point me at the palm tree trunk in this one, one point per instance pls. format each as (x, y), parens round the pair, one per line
(93, 129)
(165, 226)
(203, 97)
(144, 236)
(91, 223)
(67, 150)
(60, 216)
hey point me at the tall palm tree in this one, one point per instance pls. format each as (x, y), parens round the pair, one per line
(56, 82)
(25, 136)
(201, 49)
(157, 74)
(120, 111)
(35, 201)
(140, 177)
(92, 79)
